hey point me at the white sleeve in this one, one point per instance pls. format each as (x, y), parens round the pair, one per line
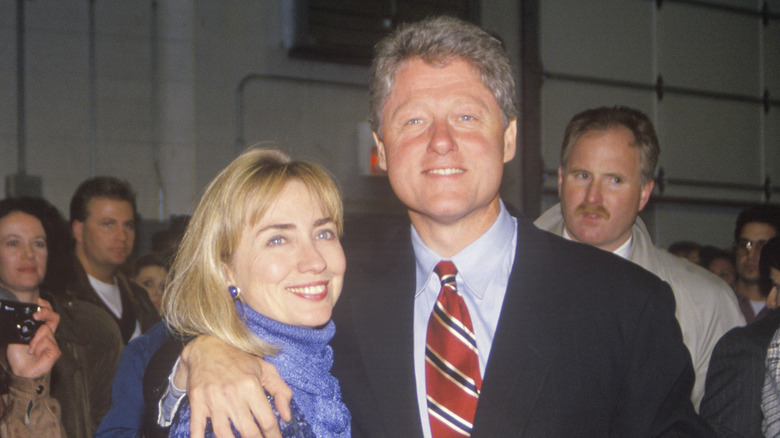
(170, 400)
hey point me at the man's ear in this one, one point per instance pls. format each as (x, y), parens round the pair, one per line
(510, 141)
(77, 228)
(647, 190)
(380, 152)
(560, 181)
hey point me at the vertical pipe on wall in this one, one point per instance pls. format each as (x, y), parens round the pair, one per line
(762, 120)
(155, 115)
(655, 56)
(656, 102)
(239, 114)
(92, 88)
(530, 144)
(20, 122)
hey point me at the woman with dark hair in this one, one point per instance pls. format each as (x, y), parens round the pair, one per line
(26, 406)
(33, 256)
(149, 272)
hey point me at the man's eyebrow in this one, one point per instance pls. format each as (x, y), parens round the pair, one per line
(613, 174)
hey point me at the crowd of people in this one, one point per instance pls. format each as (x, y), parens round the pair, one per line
(267, 314)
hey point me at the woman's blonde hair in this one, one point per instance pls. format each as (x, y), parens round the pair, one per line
(196, 299)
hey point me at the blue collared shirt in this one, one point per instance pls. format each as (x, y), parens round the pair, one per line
(483, 274)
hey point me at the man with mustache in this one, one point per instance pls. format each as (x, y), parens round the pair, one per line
(103, 221)
(605, 179)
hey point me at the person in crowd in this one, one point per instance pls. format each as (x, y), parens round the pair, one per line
(720, 262)
(126, 416)
(769, 268)
(149, 271)
(103, 219)
(558, 345)
(755, 226)
(261, 267)
(27, 409)
(735, 379)
(686, 249)
(605, 179)
(33, 237)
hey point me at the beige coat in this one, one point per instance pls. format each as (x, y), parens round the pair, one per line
(28, 410)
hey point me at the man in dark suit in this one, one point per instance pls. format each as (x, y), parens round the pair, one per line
(735, 379)
(732, 397)
(565, 347)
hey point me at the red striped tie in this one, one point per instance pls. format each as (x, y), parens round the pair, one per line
(452, 372)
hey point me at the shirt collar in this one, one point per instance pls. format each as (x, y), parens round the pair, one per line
(478, 264)
(623, 250)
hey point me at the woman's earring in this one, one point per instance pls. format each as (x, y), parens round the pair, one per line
(234, 292)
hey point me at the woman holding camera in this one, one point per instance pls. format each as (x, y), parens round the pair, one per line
(26, 406)
(33, 256)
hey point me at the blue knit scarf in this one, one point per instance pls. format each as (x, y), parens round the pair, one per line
(304, 363)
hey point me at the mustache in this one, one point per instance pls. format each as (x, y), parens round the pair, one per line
(593, 209)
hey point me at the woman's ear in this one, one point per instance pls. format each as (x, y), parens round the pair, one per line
(227, 272)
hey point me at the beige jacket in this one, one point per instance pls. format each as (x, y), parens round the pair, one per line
(29, 411)
(706, 306)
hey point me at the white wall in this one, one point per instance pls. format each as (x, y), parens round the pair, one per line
(170, 143)
(702, 139)
(204, 49)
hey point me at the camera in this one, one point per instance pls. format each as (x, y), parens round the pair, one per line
(17, 325)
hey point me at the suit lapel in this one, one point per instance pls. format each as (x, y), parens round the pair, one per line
(386, 341)
(525, 345)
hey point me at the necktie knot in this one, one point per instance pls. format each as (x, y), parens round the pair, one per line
(446, 271)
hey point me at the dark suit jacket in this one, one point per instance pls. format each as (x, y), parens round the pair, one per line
(587, 344)
(735, 379)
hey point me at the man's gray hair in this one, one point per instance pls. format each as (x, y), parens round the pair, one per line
(439, 41)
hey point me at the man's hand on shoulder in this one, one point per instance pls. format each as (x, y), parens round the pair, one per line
(227, 384)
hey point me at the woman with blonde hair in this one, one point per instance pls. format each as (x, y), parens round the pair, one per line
(261, 267)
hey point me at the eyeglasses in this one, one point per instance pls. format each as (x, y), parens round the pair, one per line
(748, 245)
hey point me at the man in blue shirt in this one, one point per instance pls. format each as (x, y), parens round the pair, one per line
(564, 347)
